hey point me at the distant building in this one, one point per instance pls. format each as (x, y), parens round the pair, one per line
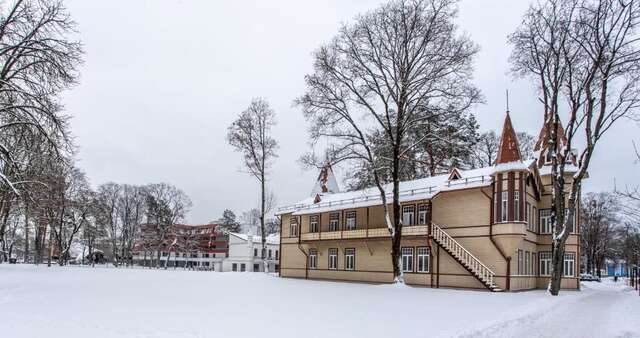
(615, 268)
(186, 246)
(244, 253)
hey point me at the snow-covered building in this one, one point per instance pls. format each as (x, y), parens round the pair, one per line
(245, 253)
(486, 228)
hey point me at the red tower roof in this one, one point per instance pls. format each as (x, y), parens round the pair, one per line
(509, 151)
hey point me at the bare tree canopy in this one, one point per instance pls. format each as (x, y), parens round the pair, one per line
(389, 72)
(251, 135)
(584, 57)
(38, 61)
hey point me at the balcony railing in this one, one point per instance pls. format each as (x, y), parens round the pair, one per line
(418, 230)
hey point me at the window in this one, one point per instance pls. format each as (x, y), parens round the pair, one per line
(293, 227)
(349, 259)
(570, 225)
(205, 263)
(520, 272)
(243, 267)
(533, 264)
(334, 220)
(269, 254)
(534, 219)
(277, 254)
(516, 206)
(505, 197)
(351, 220)
(313, 224)
(234, 267)
(408, 214)
(205, 255)
(569, 263)
(527, 215)
(545, 221)
(164, 254)
(423, 259)
(527, 263)
(407, 259)
(423, 209)
(333, 259)
(545, 263)
(313, 259)
(255, 252)
(256, 267)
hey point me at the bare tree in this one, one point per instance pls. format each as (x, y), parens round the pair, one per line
(38, 61)
(251, 135)
(107, 212)
(390, 71)
(584, 57)
(598, 219)
(131, 208)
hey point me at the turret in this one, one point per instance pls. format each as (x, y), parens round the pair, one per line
(325, 184)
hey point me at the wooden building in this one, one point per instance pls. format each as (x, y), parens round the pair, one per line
(486, 228)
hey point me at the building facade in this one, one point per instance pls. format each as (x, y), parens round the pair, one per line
(486, 228)
(201, 247)
(245, 253)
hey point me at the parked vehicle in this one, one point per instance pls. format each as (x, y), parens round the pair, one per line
(587, 277)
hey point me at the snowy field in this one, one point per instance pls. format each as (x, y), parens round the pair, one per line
(76, 302)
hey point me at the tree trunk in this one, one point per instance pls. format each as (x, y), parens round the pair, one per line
(397, 221)
(262, 230)
(26, 232)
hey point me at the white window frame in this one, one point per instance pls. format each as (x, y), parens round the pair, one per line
(545, 263)
(545, 221)
(313, 259)
(516, 206)
(527, 263)
(293, 227)
(313, 223)
(334, 221)
(423, 255)
(505, 206)
(407, 259)
(350, 259)
(520, 262)
(408, 214)
(569, 264)
(423, 210)
(350, 220)
(333, 259)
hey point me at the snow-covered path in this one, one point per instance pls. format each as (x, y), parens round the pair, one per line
(77, 302)
(603, 310)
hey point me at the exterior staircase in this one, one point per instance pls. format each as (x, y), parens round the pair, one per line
(472, 264)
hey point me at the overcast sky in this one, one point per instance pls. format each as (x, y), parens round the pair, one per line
(163, 79)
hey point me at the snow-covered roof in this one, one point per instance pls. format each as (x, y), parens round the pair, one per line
(568, 169)
(420, 189)
(271, 239)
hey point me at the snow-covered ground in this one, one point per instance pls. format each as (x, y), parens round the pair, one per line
(106, 302)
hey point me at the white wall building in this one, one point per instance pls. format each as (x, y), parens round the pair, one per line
(244, 253)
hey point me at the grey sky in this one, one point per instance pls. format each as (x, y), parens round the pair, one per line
(163, 79)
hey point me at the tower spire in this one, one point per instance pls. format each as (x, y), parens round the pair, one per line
(507, 101)
(509, 151)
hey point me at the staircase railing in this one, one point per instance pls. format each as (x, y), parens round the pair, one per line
(484, 273)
